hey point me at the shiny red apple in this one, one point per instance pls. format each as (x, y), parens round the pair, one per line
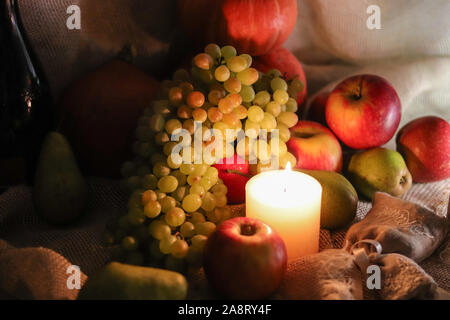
(316, 111)
(363, 111)
(244, 258)
(315, 147)
(425, 145)
(234, 172)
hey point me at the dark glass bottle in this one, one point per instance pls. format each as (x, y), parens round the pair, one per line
(26, 108)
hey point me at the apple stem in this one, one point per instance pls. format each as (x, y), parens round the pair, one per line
(238, 172)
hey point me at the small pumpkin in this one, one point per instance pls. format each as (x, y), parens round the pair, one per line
(252, 26)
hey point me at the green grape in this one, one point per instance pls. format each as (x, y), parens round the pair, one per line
(228, 52)
(157, 122)
(221, 200)
(127, 169)
(235, 98)
(144, 149)
(289, 119)
(166, 243)
(291, 105)
(187, 229)
(160, 169)
(215, 215)
(281, 150)
(168, 148)
(160, 195)
(161, 138)
(193, 178)
(214, 96)
(179, 193)
(212, 172)
(184, 112)
(207, 182)
(174, 161)
(233, 85)
(175, 96)
(247, 58)
(219, 189)
(248, 76)
(222, 73)
(213, 50)
(281, 96)
(269, 122)
(159, 230)
(179, 249)
(203, 61)
(148, 195)
(200, 169)
(197, 217)
(205, 228)
(197, 189)
(175, 217)
(273, 108)
(247, 93)
(181, 177)
(240, 112)
(181, 74)
(192, 202)
(129, 243)
(278, 84)
(144, 133)
(283, 132)
(200, 115)
(157, 157)
(172, 125)
(135, 219)
(263, 151)
(252, 129)
(272, 73)
(255, 114)
(263, 83)
(133, 182)
(236, 64)
(226, 105)
(168, 184)
(214, 115)
(230, 119)
(187, 168)
(167, 203)
(297, 85)
(160, 107)
(243, 147)
(208, 202)
(152, 209)
(225, 213)
(262, 98)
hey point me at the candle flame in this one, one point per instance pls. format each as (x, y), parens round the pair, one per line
(288, 166)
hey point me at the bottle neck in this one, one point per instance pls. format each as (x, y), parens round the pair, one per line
(13, 36)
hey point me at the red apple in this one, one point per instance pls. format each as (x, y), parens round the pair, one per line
(235, 172)
(288, 64)
(363, 111)
(425, 145)
(244, 259)
(316, 111)
(315, 147)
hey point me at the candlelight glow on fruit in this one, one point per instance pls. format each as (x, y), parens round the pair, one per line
(219, 108)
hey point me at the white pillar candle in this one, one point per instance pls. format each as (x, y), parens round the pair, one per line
(289, 202)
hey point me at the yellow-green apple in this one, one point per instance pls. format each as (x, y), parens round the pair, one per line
(244, 258)
(315, 147)
(363, 111)
(425, 145)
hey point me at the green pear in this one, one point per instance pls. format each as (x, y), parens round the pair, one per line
(60, 191)
(339, 199)
(379, 169)
(121, 281)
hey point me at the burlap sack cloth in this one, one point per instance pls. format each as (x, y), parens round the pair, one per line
(411, 50)
(40, 270)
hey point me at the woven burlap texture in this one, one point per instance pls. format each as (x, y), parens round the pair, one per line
(40, 271)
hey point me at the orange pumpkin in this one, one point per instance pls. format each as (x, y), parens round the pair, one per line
(252, 26)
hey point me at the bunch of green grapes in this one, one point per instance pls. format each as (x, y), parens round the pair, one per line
(175, 205)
